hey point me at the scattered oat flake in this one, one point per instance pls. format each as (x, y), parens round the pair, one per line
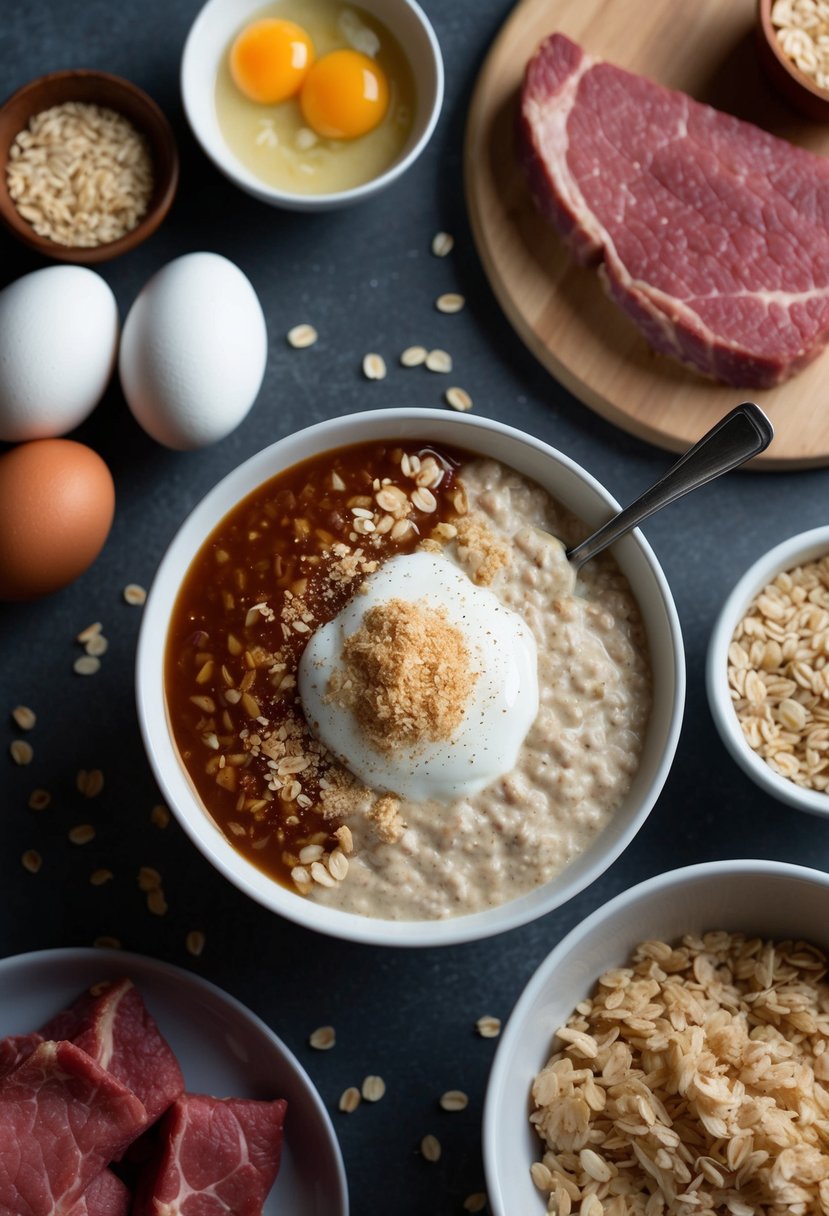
(99, 877)
(442, 243)
(105, 942)
(430, 1148)
(134, 594)
(476, 1202)
(488, 1027)
(156, 902)
(454, 1099)
(97, 645)
(458, 398)
(323, 1038)
(148, 879)
(450, 301)
(90, 632)
(39, 799)
(24, 717)
(373, 1088)
(160, 816)
(90, 782)
(349, 1099)
(439, 361)
(343, 834)
(31, 861)
(413, 356)
(374, 367)
(301, 336)
(194, 941)
(21, 751)
(82, 833)
(87, 665)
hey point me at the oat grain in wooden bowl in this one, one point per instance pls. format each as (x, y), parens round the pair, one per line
(793, 49)
(88, 165)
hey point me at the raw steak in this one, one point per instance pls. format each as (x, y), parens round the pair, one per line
(112, 1024)
(218, 1156)
(62, 1119)
(106, 1195)
(712, 235)
(15, 1049)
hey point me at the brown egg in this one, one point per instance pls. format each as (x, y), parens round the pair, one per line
(56, 506)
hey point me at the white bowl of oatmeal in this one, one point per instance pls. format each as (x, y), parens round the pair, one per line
(245, 775)
(598, 1079)
(767, 675)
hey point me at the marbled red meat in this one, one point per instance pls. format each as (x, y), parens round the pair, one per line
(710, 233)
(106, 1195)
(218, 1155)
(112, 1024)
(15, 1048)
(62, 1119)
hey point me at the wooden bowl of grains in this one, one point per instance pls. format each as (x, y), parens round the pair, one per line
(88, 165)
(794, 55)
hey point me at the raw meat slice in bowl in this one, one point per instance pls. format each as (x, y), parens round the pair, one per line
(62, 1120)
(221, 1046)
(216, 1155)
(113, 1025)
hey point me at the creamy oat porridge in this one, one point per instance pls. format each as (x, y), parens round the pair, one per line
(474, 771)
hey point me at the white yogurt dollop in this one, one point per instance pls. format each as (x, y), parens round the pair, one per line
(501, 706)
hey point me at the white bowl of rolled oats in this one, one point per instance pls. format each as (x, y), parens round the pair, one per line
(431, 849)
(767, 672)
(668, 1055)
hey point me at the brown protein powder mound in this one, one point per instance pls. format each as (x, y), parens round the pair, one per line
(405, 675)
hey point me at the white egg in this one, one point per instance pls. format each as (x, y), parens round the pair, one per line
(193, 351)
(58, 342)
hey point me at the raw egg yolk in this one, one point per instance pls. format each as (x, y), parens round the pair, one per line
(345, 95)
(270, 59)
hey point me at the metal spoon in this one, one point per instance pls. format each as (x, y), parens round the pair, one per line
(741, 434)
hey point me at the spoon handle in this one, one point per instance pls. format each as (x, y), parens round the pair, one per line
(741, 434)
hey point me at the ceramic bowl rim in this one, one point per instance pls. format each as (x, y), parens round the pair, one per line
(224, 160)
(328, 435)
(607, 913)
(803, 546)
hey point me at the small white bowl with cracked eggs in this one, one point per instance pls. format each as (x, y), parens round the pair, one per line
(529, 719)
(315, 105)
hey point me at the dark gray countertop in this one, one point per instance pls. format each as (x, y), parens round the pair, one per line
(366, 279)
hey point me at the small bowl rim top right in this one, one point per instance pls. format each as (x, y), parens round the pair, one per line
(802, 547)
(789, 80)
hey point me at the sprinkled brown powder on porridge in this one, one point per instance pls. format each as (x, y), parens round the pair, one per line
(405, 675)
(478, 546)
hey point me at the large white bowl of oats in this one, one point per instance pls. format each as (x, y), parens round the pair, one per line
(669, 1055)
(377, 698)
(767, 672)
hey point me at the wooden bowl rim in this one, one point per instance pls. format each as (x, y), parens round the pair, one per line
(797, 78)
(119, 94)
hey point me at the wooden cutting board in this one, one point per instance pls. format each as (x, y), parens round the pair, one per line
(706, 48)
